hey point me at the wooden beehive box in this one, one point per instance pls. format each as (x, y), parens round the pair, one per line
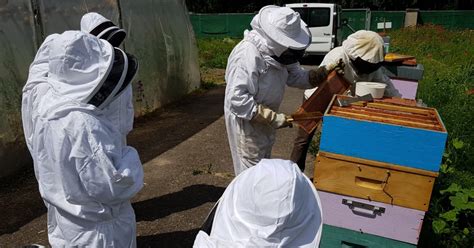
(336, 237)
(386, 132)
(404, 78)
(321, 98)
(381, 219)
(375, 181)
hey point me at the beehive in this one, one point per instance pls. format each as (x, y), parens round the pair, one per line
(385, 132)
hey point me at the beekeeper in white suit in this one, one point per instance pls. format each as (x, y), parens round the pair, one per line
(86, 174)
(362, 54)
(272, 204)
(258, 70)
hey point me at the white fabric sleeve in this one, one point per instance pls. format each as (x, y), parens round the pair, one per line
(243, 82)
(109, 181)
(332, 57)
(298, 77)
(109, 172)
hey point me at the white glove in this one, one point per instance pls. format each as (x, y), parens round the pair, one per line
(272, 118)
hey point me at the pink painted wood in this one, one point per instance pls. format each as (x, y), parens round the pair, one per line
(407, 88)
(392, 222)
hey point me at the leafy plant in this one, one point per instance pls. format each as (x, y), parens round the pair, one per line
(314, 146)
(451, 213)
(454, 226)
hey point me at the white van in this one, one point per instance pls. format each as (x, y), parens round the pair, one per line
(323, 22)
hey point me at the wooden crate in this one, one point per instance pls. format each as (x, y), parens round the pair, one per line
(374, 181)
(321, 98)
(371, 217)
(335, 237)
(385, 132)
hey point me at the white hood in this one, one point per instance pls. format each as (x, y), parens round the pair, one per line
(272, 204)
(367, 45)
(91, 20)
(38, 72)
(79, 64)
(281, 28)
(284, 26)
(77, 71)
(272, 47)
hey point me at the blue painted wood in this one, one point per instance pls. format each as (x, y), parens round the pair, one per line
(406, 146)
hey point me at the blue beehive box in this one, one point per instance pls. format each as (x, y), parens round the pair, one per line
(386, 132)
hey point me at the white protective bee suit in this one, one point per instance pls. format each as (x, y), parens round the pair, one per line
(272, 204)
(367, 45)
(86, 174)
(256, 81)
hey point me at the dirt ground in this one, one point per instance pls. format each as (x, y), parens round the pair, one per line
(187, 166)
(214, 75)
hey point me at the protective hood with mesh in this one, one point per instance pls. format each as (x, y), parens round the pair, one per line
(88, 70)
(97, 25)
(272, 204)
(282, 28)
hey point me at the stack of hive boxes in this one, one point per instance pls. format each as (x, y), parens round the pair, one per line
(375, 172)
(404, 78)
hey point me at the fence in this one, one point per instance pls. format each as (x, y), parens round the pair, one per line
(233, 25)
(159, 34)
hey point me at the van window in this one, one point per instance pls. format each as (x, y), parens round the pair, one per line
(315, 17)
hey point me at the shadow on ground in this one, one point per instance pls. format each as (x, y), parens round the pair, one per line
(20, 202)
(160, 131)
(153, 134)
(188, 198)
(169, 240)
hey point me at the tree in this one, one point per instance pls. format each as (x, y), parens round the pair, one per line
(249, 6)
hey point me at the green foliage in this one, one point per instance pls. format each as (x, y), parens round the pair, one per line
(213, 52)
(451, 213)
(314, 146)
(451, 226)
(249, 6)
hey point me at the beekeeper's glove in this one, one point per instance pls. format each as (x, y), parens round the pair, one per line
(317, 76)
(272, 118)
(338, 67)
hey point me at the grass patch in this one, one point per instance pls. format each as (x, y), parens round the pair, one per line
(447, 57)
(213, 52)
